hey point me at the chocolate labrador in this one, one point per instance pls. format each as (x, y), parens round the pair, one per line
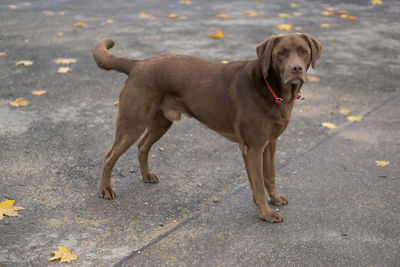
(248, 102)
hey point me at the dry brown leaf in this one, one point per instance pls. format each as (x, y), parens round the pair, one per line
(2, 54)
(79, 24)
(7, 208)
(293, 4)
(329, 125)
(39, 92)
(18, 102)
(340, 12)
(312, 79)
(64, 69)
(63, 254)
(345, 111)
(376, 2)
(60, 34)
(250, 12)
(297, 14)
(223, 16)
(382, 163)
(185, 2)
(284, 27)
(64, 60)
(284, 15)
(347, 17)
(218, 35)
(354, 118)
(325, 25)
(110, 21)
(326, 13)
(25, 4)
(24, 62)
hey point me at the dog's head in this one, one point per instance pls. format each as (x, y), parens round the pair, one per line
(289, 55)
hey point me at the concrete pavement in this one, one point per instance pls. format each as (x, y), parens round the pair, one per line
(343, 210)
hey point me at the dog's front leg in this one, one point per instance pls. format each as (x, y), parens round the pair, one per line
(269, 175)
(253, 158)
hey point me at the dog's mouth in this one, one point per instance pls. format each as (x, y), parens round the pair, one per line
(295, 79)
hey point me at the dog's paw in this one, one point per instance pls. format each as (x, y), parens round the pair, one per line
(150, 178)
(272, 217)
(106, 193)
(279, 200)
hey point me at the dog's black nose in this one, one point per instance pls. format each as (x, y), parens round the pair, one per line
(295, 68)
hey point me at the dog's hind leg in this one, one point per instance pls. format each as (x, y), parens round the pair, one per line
(135, 111)
(156, 129)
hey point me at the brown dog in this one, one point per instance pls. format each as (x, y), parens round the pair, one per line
(239, 100)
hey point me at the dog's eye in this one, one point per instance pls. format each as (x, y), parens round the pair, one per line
(282, 53)
(304, 52)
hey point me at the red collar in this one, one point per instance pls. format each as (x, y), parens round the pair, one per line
(277, 99)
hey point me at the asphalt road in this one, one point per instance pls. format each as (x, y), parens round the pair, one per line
(343, 209)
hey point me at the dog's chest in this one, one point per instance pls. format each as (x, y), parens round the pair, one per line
(277, 129)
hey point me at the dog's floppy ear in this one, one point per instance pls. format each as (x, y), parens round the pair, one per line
(316, 49)
(264, 53)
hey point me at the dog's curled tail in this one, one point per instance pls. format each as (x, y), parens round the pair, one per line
(107, 61)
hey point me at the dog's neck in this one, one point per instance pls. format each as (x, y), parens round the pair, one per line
(288, 92)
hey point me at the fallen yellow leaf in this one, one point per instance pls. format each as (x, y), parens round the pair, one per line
(218, 35)
(110, 21)
(382, 163)
(297, 14)
(325, 25)
(2, 54)
(64, 69)
(293, 4)
(329, 125)
(326, 13)
(345, 111)
(7, 208)
(185, 2)
(347, 17)
(250, 12)
(64, 60)
(39, 92)
(24, 62)
(60, 34)
(48, 12)
(354, 118)
(223, 16)
(172, 16)
(12, 6)
(330, 9)
(144, 15)
(18, 102)
(116, 103)
(376, 2)
(63, 254)
(79, 24)
(340, 12)
(284, 15)
(312, 79)
(284, 27)
(224, 61)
